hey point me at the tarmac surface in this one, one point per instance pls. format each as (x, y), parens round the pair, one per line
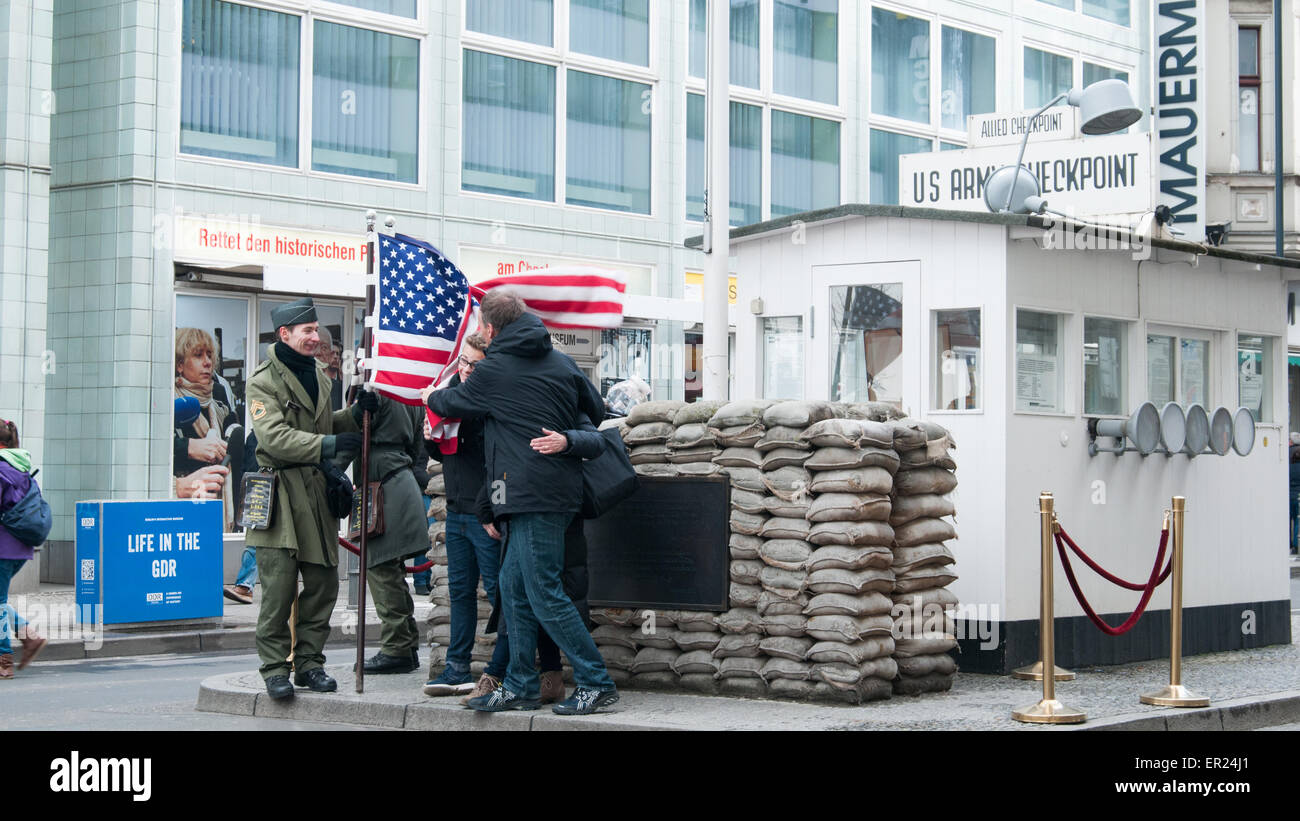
(1248, 689)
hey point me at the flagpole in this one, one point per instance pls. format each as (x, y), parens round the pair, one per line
(371, 244)
(717, 202)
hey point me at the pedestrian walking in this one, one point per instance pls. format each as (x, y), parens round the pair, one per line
(15, 484)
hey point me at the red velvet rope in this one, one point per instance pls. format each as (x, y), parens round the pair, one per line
(1150, 588)
(356, 551)
(1107, 576)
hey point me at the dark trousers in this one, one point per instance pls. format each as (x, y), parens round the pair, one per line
(278, 570)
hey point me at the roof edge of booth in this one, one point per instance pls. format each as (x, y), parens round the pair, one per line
(1044, 223)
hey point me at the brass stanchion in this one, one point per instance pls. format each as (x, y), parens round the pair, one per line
(1049, 710)
(1175, 694)
(1034, 672)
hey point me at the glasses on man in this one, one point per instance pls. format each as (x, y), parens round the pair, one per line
(467, 364)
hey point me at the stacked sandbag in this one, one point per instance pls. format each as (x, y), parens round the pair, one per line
(922, 561)
(692, 446)
(656, 651)
(851, 464)
(646, 431)
(614, 637)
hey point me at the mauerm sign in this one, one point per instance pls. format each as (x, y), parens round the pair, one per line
(1057, 123)
(1088, 177)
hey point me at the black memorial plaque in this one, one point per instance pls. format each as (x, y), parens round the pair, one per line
(258, 500)
(664, 547)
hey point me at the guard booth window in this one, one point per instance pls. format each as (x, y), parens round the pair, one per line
(1105, 371)
(867, 343)
(1255, 375)
(1038, 361)
(956, 359)
(1178, 370)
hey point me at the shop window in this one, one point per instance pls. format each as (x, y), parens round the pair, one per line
(1046, 75)
(1105, 370)
(783, 360)
(365, 103)
(528, 20)
(509, 133)
(746, 171)
(1178, 370)
(956, 365)
(1039, 362)
(805, 163)
(624, 353)
(239, 83)
(1255, 375)
(805, 45)
(613, 29)
(867, 343)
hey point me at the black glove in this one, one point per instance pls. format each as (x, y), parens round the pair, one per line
(366, 401)
(344, 442)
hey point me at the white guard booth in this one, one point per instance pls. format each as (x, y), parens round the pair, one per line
(1015, 333)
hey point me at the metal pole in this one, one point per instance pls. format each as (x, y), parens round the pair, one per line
(1176, 695)
(372, 247)
(1049, 710)
(717, 202)
(1279, 152)
(1046, 608)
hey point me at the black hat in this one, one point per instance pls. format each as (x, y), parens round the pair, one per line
(294, 313)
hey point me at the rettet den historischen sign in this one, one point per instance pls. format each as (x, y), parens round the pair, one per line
(141, 561)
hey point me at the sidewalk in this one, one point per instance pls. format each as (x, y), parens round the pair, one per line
(1247, 689)
(234, 634)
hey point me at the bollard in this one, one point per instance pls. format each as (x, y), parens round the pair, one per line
(1175, 694)
(1049, 710)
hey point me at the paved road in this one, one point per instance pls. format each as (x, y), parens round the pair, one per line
(132, 693)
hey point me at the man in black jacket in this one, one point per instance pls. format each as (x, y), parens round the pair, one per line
(523, 387)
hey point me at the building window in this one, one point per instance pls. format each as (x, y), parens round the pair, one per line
(509, 133)
(969, 76)
(608, 143)
(805, 163)
(613, 29)
(1093, 73)
(365, 103)
(956, 364)
(397, 8)
(1105, 371)
(239, 83)
(900, 66)
(743, 67)
(1255, 375)
(1248, 99)
(867, 343)
(783, 361)
(805, 49)
(1046, 75)
(1039, 375)
(746, 172)
(531, 21)
(886, 146)
(1112, 11)
(624, 353)
(1178, 370)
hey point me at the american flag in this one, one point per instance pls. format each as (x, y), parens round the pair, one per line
(570, 296)
(423, 311)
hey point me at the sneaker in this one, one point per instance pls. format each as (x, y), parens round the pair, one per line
(502, 699)
(552, 687)
(485, 685)
(449, 683)
(585, 701)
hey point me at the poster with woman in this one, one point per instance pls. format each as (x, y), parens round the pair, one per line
(208, 436)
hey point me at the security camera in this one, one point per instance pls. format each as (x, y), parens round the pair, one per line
(194, 276)
(1216, 233)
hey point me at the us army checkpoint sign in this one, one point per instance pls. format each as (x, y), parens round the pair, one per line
(148, 561)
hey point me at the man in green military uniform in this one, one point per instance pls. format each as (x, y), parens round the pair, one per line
(288, 401)
(396, 441)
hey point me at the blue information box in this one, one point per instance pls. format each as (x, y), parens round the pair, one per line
(148, 561)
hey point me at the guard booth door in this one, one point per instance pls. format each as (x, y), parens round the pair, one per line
(861, 317)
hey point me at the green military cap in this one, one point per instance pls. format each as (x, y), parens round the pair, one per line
(294, 313)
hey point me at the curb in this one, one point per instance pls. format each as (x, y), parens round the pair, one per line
(203, 641)
(1250, 713)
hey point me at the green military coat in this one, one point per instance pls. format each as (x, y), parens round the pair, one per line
(290, 430)
(396, 441)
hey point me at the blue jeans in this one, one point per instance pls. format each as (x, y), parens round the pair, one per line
(10, 621)
(532, 592)
(248, 569)
(471, 553)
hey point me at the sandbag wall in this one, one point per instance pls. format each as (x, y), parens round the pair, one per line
(816, 565)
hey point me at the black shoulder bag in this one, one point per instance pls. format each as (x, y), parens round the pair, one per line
(609, 478)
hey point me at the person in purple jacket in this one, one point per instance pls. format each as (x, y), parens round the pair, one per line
(15, 479)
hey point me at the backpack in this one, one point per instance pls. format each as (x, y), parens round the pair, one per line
(30, 518)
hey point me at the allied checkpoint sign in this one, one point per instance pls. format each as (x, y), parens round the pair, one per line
(143, 561)
(1087, 177)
